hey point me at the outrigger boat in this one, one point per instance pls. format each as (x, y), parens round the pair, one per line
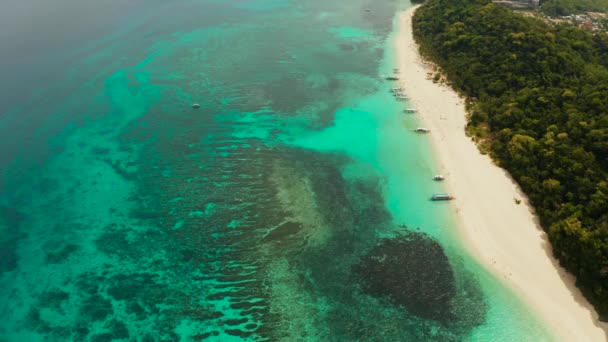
(441, 197)
(422, 130)
(399, 94)
(438, 178)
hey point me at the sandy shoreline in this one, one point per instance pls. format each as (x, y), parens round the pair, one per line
(501, 234)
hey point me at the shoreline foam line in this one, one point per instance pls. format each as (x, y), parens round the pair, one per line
(503, 235)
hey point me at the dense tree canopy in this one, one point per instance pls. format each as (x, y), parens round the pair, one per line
(540, 104)
(566, 7)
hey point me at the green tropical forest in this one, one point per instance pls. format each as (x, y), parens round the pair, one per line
(567, 7)
(538, 103)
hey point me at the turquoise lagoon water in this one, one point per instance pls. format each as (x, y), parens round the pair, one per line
(292, 205)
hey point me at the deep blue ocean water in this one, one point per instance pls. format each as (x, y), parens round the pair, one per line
(292, 205)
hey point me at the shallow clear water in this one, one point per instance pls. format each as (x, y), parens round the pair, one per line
(292, 205)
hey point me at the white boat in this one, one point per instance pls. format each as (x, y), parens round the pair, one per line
(195, 105)
(422, 130)
(410, 110)
(438, 177)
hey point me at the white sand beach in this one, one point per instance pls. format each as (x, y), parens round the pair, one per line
(502, 235)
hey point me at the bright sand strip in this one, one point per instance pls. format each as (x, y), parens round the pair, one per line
(502, 235)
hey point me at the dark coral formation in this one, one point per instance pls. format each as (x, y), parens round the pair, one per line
(412, 271)
(10, 234)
